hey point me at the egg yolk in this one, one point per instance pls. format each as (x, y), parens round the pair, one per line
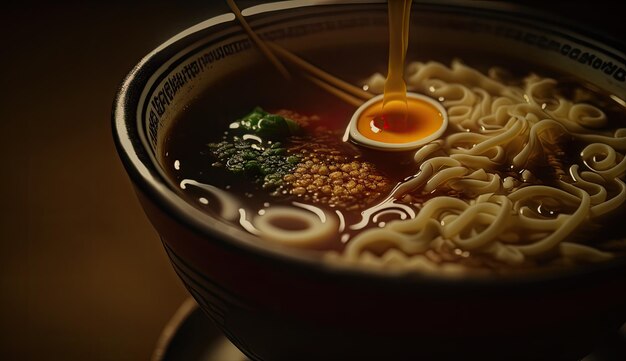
(422, 120)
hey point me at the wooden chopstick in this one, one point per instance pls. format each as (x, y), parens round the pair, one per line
(332, 84)
(319, 73)
(335, 91)
(258, 41)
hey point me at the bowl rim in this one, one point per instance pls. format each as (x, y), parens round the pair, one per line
(135, 160)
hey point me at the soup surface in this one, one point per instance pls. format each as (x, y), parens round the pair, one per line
(529, 174)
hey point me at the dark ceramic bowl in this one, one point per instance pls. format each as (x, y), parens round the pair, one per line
(286, 305)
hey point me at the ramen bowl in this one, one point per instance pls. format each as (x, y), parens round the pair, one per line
(284, 304)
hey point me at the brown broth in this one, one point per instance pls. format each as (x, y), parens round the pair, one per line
(206, 120)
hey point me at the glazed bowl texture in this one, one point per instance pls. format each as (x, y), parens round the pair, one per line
(277, 304)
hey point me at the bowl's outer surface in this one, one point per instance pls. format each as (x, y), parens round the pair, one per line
(276, 306)
(273, 311)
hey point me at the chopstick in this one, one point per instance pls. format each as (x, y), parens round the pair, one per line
(332, 84)
(335, 91)
(319, 73)
(260, 43)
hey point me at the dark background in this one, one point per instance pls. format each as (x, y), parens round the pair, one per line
(82, 273)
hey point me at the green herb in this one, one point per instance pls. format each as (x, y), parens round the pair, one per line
(270, 126)
(266, 162)
(261, 157)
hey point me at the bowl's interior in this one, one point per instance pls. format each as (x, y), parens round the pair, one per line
(207, 56)
(218, 49)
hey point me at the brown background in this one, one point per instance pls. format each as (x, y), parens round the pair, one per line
(82, 273)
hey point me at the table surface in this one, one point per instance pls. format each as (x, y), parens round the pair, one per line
(82, 273)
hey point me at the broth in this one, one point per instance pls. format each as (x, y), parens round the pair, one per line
(369, 189)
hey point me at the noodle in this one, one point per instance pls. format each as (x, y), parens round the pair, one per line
(312, 229)
(496, 133)
(522, 178)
